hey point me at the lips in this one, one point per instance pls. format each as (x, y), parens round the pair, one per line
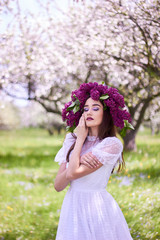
(89, 119)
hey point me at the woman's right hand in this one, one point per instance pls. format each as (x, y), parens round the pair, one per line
(89, 160)
(81, 129)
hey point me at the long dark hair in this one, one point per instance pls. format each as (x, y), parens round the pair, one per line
(106, 129)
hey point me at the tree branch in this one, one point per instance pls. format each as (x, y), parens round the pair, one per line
(142, 112)
(48, 108)
(88, 74)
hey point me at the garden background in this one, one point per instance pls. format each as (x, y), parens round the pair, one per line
(30, 207)
(47, 49)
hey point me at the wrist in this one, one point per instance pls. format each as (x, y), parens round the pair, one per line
(80, 139)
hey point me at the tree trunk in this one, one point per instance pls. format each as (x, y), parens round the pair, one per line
(129, 141)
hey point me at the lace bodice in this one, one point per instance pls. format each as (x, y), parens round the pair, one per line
(108, 151)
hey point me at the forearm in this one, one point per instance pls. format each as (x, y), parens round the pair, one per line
(74, 162)
(61, 182)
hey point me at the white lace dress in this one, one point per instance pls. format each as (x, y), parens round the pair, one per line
(88, 211)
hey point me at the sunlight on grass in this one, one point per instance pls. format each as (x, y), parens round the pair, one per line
(30, 207)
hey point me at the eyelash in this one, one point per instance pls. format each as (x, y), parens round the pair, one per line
(94, 109)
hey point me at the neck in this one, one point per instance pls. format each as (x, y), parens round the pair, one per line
(93, 131)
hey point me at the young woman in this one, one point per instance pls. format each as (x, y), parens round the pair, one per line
(87, 160)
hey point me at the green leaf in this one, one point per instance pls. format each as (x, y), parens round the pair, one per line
(105, 107)
(128, 125)
(75, 97)
(76, 108)
(77, 102)
(69, 129)
(104, 96)
(123, 132)
(71, 106)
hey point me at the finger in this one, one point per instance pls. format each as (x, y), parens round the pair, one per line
(89, 166)
(81, 121)
(90, 161)
(84, 162)
(94, 158)
(94, 163)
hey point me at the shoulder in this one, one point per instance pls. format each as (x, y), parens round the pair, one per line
(115, 140)
(70, 137)
(111, 141)
(108, 150)
(62, 153)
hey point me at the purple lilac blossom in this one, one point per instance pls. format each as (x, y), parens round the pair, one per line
(95, 94)
(95, 90)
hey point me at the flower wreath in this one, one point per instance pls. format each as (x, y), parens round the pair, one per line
(110, 97)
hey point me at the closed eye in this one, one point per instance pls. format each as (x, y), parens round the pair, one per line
(95, 109)
(86, 109)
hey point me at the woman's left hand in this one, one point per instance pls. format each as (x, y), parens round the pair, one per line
(89, 160)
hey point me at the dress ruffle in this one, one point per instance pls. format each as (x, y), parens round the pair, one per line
(62, 153)
(108, 151)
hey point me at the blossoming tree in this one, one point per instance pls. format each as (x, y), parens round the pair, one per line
(109, 41)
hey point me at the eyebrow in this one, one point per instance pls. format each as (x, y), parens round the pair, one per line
(93, 105)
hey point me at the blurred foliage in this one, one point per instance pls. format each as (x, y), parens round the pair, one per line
(9, 115)
(30, 207)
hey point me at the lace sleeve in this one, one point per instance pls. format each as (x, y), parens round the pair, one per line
(109, 151)
(62, 153)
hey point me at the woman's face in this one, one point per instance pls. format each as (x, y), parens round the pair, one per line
(93, 113)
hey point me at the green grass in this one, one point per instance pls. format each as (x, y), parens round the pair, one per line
(30, 207)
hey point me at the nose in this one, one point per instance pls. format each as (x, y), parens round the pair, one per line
(89, 111)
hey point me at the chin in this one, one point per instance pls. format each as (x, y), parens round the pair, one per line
(91, 125)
